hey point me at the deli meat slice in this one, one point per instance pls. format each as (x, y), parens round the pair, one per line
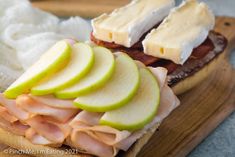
(36, 120)
(56, 132)
(27, 103)
(35, 138)
(90, 145)
(52, 101)
(6, 115)
(103, 138)
(13, 109)
(11, 123)
(86, 118)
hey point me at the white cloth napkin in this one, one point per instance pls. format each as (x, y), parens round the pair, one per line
(26, 33)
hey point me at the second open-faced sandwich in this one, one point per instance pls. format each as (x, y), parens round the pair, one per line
(184, 42)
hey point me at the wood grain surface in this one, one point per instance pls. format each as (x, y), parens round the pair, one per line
(202, 109)
(84, 8)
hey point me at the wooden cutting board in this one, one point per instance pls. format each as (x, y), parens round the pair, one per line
(84, 8)
(202, 109)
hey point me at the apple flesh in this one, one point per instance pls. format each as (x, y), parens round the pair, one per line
(140, 110)
(81, 61)
(117, 91)
(50, 62)
(101, 72)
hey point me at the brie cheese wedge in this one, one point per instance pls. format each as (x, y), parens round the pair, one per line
(186, 27)
(125, 26)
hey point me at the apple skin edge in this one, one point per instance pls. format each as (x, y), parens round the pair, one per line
(38, 92)
(137, 125)
(12, 93)
(108, 107)
(115, 105)
(99, 83)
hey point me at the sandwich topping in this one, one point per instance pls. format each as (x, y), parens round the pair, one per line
(109, 117)
(179, 33)
(126, 25)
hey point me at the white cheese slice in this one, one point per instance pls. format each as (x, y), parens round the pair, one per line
(186, 27)
(125, 26)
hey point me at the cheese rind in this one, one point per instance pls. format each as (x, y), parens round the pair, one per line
(125, 26)
(186, 27)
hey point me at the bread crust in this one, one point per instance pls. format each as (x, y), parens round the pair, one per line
(195, 79)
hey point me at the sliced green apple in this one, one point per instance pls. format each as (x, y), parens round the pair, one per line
(50, 62)
(140, 110)
(100, 73)
(117, 91)
(81, 61)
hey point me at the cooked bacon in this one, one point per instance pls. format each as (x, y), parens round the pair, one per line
(136, 52)
(202, 50)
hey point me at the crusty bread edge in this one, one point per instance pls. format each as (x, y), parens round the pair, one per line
(193, 80)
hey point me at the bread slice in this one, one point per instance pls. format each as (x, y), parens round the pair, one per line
(195, 79)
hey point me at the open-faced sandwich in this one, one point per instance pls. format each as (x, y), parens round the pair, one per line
(181, 39)
(81, 99)
(88, 98)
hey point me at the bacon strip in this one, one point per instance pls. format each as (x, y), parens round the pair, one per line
(136, 52)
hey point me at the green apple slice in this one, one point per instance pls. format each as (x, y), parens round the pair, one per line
(82, 59)
(101, 72)
(117, 91)
(140, 110)
(50, 62)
